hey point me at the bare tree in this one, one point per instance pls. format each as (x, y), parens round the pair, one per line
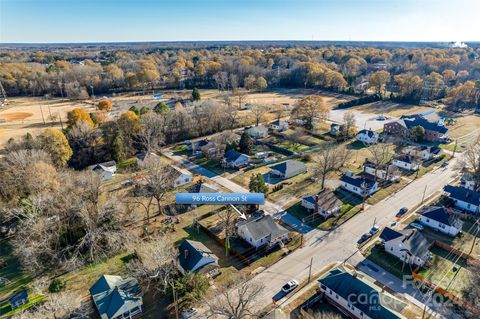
(259, 111)
(228, 218)
(235, 300)
(381, 155)
(470, 161)
(349, 121)
(329, 159)
(158, 180)
(151, 131)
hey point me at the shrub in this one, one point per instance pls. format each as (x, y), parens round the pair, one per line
(56, 285)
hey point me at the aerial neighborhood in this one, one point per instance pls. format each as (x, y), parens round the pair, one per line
(364, 158)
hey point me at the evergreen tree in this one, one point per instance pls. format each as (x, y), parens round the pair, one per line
(246, 144)
(118, 148)
(161, 107)
(196, 95)
(257, 184)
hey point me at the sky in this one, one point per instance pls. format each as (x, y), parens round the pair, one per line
(55, 21)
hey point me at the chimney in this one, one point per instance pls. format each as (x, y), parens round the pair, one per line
(185, 253)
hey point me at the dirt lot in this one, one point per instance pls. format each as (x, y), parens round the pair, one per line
(33, 114)
(24, 115)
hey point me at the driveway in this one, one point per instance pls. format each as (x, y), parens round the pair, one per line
(295, 223)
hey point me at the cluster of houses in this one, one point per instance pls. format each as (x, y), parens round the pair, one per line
(115, 297)
(410, 246)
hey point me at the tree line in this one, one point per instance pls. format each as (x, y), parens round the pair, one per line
(398, 73)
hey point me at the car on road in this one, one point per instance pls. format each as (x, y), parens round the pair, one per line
(417, 226)
(444, 164)
(364, 238)
(189, 313)
(289, 286)
(401, 212)
(374, 229)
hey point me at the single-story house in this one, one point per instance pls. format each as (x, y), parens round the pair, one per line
(325, 203)
(182, 176)
(386, 172)
(406, 162)
(143, 157)
(115, 297)
(288, 169)
(235, 159)
(279, 125)
(357, 296)
(259, 131)
(359, 185)
(423, 152)
(407, 245)
(261, 230)
(196, 146)
(18, 299)
(439, 218)
(432, 123)
(368, 136)
(194, 256)
(105, 170)
(464, 198)
(336, 129)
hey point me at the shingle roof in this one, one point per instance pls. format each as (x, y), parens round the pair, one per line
(418, 120)
(196, 252)
(288, 167)
(440, 214)
(416, 243)
(346, 286)
(369, 133)
(327, 200)
(358, 181)
(232, 155)
(261, 226)
(114, 296)
(463, 194)
(389, 234)
(406, 158)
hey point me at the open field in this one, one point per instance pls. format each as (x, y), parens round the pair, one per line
(392, 109)
(24, 115)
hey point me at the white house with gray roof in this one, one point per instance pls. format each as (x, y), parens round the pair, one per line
(442, 220)
(408, 245)
(259, 131)
(367, 137)
(325, 203)
(261, 230)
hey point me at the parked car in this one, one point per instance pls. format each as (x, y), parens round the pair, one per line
(289, 286)
(401, 212)
(364, 238)
(374, 229)
(444, 164)
(417, 226)
(189, 313)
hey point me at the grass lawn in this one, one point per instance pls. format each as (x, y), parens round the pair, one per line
(293, 147)
(214, 166)
(383, 193)
(447, 272)
(377, 255)
(244, 178)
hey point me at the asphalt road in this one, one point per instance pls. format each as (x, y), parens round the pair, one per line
(340, 244)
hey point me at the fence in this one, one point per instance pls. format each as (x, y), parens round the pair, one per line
(455, 251)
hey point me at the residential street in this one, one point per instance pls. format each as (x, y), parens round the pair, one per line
(340, 244)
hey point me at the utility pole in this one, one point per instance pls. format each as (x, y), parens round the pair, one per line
(43, 118)
(423, 197)
(455, 148)
(310, 269)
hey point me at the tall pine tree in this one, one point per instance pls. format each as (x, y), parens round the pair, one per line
(246, 144)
